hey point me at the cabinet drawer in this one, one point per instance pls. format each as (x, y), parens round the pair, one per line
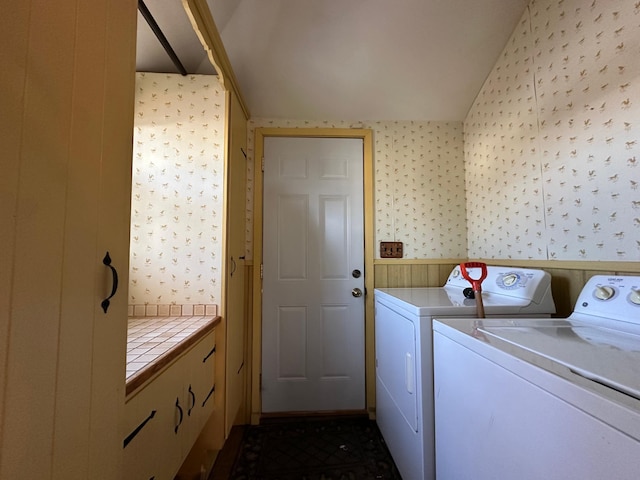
(164, 419)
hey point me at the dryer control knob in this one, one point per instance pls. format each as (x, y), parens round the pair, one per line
(510, 279)
(604, 292)
(634, 297)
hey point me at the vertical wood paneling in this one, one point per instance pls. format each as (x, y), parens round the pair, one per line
(40, 215)
(434, 275)
(406, 275)
(565, 287)
(61, 373)
(419, 275)
(444, 270)
(380, 276)
(235, 313)
(73, 404)
(399, 275)
(110, 330)
(15, 27)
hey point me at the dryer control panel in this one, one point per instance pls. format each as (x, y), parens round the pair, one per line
(611, 297)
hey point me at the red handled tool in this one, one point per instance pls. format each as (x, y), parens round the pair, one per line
(476, 284)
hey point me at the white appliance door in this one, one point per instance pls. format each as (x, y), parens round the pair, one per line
(312, 324)
(502, 418)
(396, 366)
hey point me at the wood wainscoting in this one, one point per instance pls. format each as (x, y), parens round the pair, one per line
(412, 273)
(567, 278)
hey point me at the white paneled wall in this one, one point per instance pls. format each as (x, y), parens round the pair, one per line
(176, 208)
(552, 142)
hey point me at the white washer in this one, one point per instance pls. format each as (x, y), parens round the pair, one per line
(403, 339)
(542, 399)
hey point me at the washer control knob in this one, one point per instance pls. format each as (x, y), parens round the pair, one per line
(604, 292)
(509, 279)
(634, 297)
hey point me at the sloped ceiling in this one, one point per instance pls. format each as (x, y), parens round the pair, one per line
(351, 59)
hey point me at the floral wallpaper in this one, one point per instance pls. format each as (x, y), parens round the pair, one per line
(176, 208)
(419, 183)
(552, 142)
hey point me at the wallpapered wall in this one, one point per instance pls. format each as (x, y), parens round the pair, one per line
(552, 142)
(176, 210)
(419, 183)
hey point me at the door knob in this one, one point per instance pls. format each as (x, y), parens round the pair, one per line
(356, 292)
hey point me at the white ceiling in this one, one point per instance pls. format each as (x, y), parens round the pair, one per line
(346, 59)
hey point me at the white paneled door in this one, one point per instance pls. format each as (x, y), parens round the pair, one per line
(313, 355)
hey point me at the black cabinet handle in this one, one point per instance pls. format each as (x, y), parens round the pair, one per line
(193, 401)
(213, 350)
(233, 267)
(181, 415)
(132, 435)
(107, 261)
(213, 389)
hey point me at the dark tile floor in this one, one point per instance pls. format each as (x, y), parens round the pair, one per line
(309, 448)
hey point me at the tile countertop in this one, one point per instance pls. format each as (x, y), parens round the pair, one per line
(153, 342)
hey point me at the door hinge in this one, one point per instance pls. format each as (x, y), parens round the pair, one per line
(261, 271)
(263, 164)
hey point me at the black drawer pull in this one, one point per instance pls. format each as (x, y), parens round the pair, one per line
(213, 350)
(193, 401)
(132, 435)
(181, 415)
(114, 288)
(213, 389)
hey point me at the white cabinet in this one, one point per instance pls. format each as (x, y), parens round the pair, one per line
(164, 418)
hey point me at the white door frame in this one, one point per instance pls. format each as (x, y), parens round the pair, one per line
(256, 348)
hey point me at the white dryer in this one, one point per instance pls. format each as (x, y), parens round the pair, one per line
(542, 399)
(403, 340)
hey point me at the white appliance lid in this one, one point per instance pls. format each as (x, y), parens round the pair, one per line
(448, 301)
(606, 356)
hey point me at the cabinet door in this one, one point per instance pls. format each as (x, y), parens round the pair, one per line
(154, 427)
(201, 388)
(68, 115)
(235, 312)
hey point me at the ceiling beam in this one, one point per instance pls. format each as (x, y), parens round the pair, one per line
(155, 28)
(205, 27)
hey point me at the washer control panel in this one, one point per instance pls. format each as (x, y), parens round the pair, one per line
(615, 297)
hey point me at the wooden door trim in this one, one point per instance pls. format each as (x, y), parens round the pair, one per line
(256, 348)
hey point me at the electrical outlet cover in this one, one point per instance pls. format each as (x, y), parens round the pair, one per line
(390, 249)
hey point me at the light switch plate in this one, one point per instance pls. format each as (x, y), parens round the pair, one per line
(390, 249)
